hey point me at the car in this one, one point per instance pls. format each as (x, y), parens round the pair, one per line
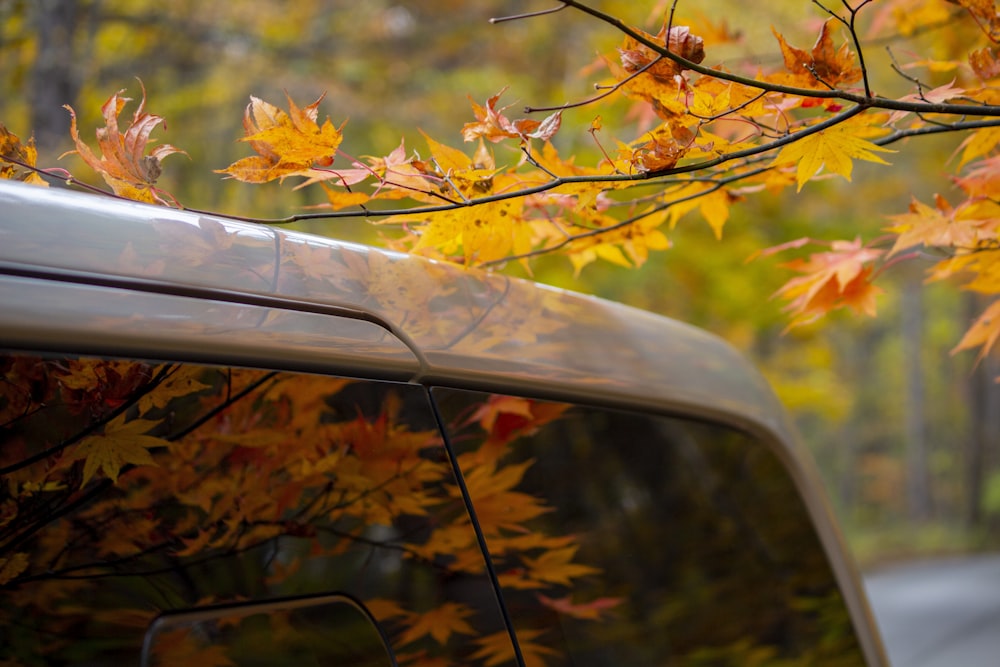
(224, 443)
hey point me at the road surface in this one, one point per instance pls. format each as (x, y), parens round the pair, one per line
(943, 613)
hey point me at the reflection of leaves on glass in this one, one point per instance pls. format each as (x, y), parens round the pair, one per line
(662, 541)
(122, 443)
(182, 649)
(131, 487)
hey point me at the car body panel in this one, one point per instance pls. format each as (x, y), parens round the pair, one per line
(465, 326)
(410, 319)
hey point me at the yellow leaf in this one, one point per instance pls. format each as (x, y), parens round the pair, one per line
(448, 159)
(12, 566)
(11, 146)
(440, 623)
(979, 144)
(120, 444)
(555, 566)
(339, 199)
(496, 648)
(181, 382)
(287, 144)
(834, 148)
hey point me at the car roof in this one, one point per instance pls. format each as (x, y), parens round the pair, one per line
(448, 324)
(90, 274)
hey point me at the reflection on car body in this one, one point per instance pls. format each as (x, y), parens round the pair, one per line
(227, 444)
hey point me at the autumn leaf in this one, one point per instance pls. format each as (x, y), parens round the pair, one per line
(498, 507)
(937, 95)
(439, 623)
(11, 148)
(287, 144)
(496, 649)
(124, 163)
(984, 63)
(825, 66)
(556, 567)
(833, 279)
(943, 226)
(586, 610)
(985, 13)
(122, 443)
(181, 382)
(183, 646)
(636, 56)
(12, 566)
(983, 333)
(834, 148)
(978, 144)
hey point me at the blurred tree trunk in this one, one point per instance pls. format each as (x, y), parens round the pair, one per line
(55, 77)
(984, 423)
(918, 492)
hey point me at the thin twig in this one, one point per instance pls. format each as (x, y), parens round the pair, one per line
(529, 15)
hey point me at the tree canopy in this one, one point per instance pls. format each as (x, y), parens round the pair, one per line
(700, 136)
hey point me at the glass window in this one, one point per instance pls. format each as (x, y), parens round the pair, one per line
(628, 539)
(129, 489)
(312, 630)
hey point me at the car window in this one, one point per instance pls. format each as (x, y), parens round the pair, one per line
(311, 630)
(134, 491)
(629, 539)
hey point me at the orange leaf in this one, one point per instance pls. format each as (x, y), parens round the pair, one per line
(496, 649)
(440, 623)
(823, 66)
(124, 163)
(834, 279)
(983, 333)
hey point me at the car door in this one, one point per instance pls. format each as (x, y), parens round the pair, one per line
(165, 511)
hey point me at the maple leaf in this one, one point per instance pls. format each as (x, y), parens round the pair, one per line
(439, 623)
(12, 566)
(979, 143)
(984, 63)
(833, 279)
(586, 610)
(124, 163)
(942, 226)
(824, 66)
(983, 333)
(123, 442)
(11, 147)
(497, 507)
(834, 148)
(985, 13)
(493, 126)
(940, 94)
(555, 566)
(288, 144)
(496, 648)
(679, 39)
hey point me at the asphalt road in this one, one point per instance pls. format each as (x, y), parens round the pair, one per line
(943, 613)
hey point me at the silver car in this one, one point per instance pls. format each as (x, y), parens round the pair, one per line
(227, 444)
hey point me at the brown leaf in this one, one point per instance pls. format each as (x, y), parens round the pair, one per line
(984, 63)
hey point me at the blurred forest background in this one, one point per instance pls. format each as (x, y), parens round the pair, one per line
(906, 435)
